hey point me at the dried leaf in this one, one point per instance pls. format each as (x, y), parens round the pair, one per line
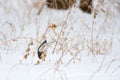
(37, 4)
(25, 56)
(28, 49)
(38, 62)
(103, 10)
(53, 26)
(44, 36)
(95, 13)
(14, 40)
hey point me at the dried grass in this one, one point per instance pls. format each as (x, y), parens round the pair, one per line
(63, 44)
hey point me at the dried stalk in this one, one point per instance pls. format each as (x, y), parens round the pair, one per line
(61, 31)
(14, 39)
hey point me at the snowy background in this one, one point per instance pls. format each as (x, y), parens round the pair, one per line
(80, 46)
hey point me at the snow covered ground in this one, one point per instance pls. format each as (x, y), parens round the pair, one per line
(80, 46)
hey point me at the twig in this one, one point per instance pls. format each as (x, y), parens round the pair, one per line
(0, 58)
(98, 68)
(72, 58)
(44, 3)
(18, 38)
(102, 62)
(110, 64)
(61, 30)
(116, 68)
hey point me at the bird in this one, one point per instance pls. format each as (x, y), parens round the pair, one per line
(41, 54)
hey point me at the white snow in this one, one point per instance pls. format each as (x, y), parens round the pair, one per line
(77, 33)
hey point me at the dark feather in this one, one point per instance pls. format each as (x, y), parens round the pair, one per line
(40, 52)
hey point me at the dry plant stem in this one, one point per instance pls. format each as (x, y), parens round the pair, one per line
(106, 51)
(98, 68)
(62, 74)
(92, 34)
(41, 8)
(92, 75)
(102, 62)
(46, 31)
(47, 70)
(59, 37)
(92, 38)
(61, 30)
(0, 58)
(19, 38)
(56, 65)
(37, 28)
(110, 64)
(72, 58)
(12, 26)
(116, 68)
(3, 35)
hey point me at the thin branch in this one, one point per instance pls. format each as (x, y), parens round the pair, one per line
(61, 30)
(13, 39)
